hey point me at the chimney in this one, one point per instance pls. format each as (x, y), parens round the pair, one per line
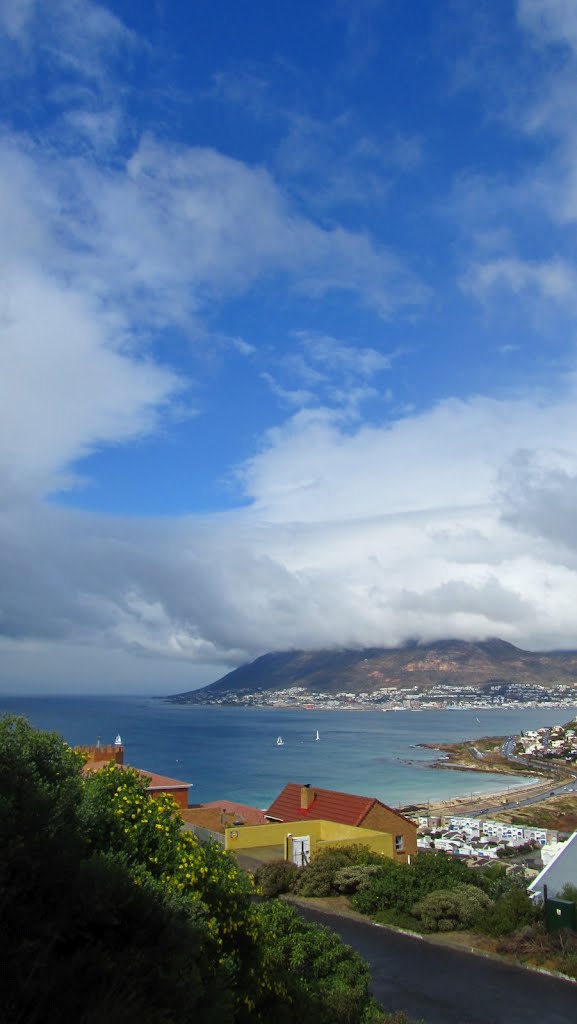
(307, 796)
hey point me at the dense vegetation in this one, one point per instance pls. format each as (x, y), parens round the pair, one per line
(111, 913)
(433, 893)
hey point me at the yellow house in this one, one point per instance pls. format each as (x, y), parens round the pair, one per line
(297, 841)
(306, 804)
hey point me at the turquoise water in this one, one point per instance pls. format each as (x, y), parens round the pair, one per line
(231, 753)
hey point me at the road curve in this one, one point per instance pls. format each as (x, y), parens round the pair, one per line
(440, 985)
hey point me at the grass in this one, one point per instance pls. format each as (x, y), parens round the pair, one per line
(557, 813)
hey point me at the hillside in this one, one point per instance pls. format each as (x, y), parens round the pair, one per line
(490, 665)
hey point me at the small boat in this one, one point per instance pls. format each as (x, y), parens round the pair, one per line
(280, 742)
(118, 741)
(317, 737)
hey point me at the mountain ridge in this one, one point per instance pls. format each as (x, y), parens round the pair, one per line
(352, 671)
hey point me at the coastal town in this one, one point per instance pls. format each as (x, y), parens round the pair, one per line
(479, 831)
(403, 698)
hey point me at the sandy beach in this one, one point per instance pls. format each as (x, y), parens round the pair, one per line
(491, 802)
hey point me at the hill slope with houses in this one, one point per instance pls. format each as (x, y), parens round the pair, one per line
(491, 667)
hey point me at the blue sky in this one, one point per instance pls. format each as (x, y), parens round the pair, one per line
(287, 332)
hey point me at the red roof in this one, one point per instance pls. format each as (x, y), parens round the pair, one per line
(327, 804)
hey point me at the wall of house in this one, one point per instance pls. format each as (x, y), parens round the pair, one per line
(322, 834)
(246, 837)
(382, 819)
(337, 836)
(559, 871)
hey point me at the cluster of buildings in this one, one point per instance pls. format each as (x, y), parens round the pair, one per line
(557, 741)
(399, 698)
(480, 839)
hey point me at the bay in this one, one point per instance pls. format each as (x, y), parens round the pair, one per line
(231, 753)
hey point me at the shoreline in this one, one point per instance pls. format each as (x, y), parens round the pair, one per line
(495, 800)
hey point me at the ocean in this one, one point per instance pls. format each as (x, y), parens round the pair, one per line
(232, 753)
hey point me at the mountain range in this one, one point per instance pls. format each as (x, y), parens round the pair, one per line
(450, 663)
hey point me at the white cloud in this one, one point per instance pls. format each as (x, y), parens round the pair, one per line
(76, 35)
(556, 279)
(441, 525)
(66, 386)
(550, 21)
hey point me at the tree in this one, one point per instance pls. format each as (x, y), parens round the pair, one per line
(451, 909)
(90, 934)
(307, 970)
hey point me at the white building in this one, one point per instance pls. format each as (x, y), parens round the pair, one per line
(560, 870)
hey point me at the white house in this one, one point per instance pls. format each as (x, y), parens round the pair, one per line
(560, 870)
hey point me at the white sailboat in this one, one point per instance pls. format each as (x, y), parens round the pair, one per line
(280, 742)
(317, 737)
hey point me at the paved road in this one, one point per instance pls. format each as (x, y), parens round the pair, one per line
(444, 986)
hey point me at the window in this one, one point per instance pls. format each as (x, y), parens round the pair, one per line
(399, 844)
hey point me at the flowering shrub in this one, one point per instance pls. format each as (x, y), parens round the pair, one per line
(120, 816)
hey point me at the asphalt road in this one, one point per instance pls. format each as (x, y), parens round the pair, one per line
(440, 985)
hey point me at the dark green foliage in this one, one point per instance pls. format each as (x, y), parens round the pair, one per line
(512, 911)
(399, 893)
(401, 886)
(276, 877)
(445, 910)
(86, 936)
(124, 953)
(569, 893)
(317, 979)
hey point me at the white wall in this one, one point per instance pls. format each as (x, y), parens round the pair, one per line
(562, 869)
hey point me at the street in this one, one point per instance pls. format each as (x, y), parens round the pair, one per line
(439, 985)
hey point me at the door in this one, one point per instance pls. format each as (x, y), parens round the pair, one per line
(301, 850)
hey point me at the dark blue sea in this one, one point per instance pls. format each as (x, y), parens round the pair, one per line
(232, 753)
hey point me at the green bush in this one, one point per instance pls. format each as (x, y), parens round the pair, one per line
(354, 877)
(401, 886)
(356, 853)
(569, 893)
(318, 877)
(452, 909)
(512, 911)
(307, 969)
(276, 877)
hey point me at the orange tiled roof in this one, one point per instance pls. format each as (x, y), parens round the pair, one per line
(239, 812)
(161, 781)
(206, 817)
(328, 804)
